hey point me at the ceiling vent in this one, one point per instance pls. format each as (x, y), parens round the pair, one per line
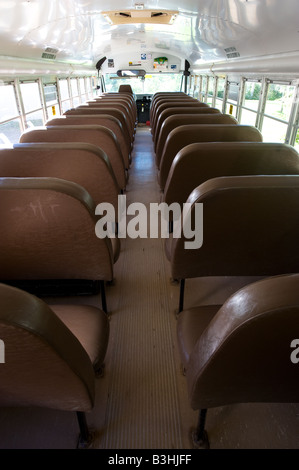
(49, 53)
(231, 52)
(140, 16)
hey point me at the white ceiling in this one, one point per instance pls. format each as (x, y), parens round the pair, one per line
(202, 31)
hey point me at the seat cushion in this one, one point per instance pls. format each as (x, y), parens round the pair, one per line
(190, 326)
(90, 325)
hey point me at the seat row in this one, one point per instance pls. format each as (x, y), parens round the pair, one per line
(50, 185)
(70, 165)
(248, 226)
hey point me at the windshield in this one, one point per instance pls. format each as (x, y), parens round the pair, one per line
(150, 84)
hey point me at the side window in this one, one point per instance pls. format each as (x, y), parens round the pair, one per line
(75, 92)
(64, 94)
(51, 99)
(220, 93)
(279, 101)
(232, 99)
(252, 93)
(10, 122)
(31, 99)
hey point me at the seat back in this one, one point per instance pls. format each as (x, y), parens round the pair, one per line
(87, 110)
(92, 134)
(84, 164)
(161, 95)
(250, 228)
(177, 120)
(243, 355)
(45, 363)
(192, 133)
(112, 109)
(197, 163)
(125, 89)
(195, 110)
(102, 120)
(121, 106)
(171, 101)
(171, 108)
(122, 98)
(49, 232)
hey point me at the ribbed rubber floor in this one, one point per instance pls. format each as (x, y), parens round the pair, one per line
(142, 409)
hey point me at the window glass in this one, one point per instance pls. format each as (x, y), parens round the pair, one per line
(232, 99)
(10, 132)
(76, 102)
(64, 90)
(210, 90)
(88, 84)
(279, 101)
(82, 86)
(273, 131)
(248, 117)
(84, 98)
(35, 119)
(74, 87)
(203, 88)
(297, 141)
(252, 95)
(30, 96)
(196, 86)
(150, 84)
(162, 82)
(8, 104)
(220, 87)
(50, 92)
(220, 93)
(66, 105)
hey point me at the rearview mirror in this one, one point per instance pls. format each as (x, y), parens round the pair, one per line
(131, 73)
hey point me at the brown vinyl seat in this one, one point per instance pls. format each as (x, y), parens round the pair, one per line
(102, 120)
(197, 163)
(84, 164)
(162, 100)
(121, 106)
(100, 136)
(249, 227)
(240, 352)
(52, 354)
(121, 98)
(49, 237)
(193, 133)
(181, 110)
(172, 107)
(87, 110)
(124, 96)
(172, 100)
(177, 120)
(169, 95)
(125, 89)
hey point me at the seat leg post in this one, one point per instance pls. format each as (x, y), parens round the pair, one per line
(182, 292)
(85, 436)
(199, 436)
(103, 295)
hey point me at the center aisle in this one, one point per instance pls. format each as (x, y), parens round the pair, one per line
(142, 409)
